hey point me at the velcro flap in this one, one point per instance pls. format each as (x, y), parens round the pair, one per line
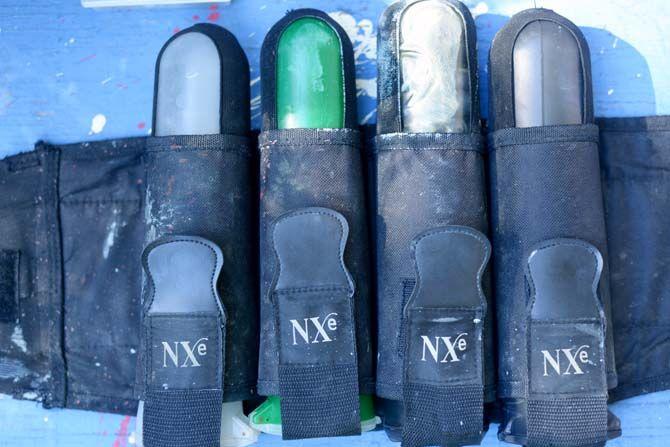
(567, 388)
(184, 339)
(442, 324)
(313, 297)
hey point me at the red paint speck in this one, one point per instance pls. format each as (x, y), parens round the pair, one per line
(122, 435)
(213, 7)
(196, 17)
(176, 30)
(87, 58)
(141, 125)
(213, 17)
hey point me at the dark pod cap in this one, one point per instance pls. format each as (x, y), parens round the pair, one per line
(427, 68)
(201, 84)
(307, 73)
(539, 72)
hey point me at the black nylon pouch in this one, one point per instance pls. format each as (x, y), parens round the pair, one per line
(70, 223)
(313, 167)
(635, 158)
(422, 182)
(183, 341)
(442, 339)
(544, 184)
(304, 168)
(203, 186)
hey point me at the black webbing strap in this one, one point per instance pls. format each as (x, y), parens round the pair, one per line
(313, 299)
(567, 387)
(184, 331)
(443, 387)
(9, 285)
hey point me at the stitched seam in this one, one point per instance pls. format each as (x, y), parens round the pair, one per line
(292, 290)
(98, 202)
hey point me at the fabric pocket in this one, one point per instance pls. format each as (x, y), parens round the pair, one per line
(205, 186)
(423, 181)
(314, 168)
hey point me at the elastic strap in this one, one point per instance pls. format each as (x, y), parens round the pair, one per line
(567, 394)
(313, 301)
(443, 387)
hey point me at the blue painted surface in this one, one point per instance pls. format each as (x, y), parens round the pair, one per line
(61, 65)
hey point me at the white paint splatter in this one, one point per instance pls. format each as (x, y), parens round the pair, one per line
(367, 87)
(18, 340)
(361, 33)
(106, 80)
(615, 43)
(479, 9)
(112, 233)
(364, 40)
(98, 123)
(30, 395)
(610, 91)
(369, 116)
(110, 239)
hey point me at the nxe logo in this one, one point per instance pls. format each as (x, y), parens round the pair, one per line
(450, 351)
(190, 354)
(572, 365)
(314, 329)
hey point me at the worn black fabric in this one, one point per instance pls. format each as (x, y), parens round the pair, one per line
(312, 294)
(545, 184)
(635, 157)
(442, 323)
(76, 216)
(314, 168)
(203, 186)
(101, 208)
(423, 181)
(183, 342)
(9, 285)
(32, 361)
